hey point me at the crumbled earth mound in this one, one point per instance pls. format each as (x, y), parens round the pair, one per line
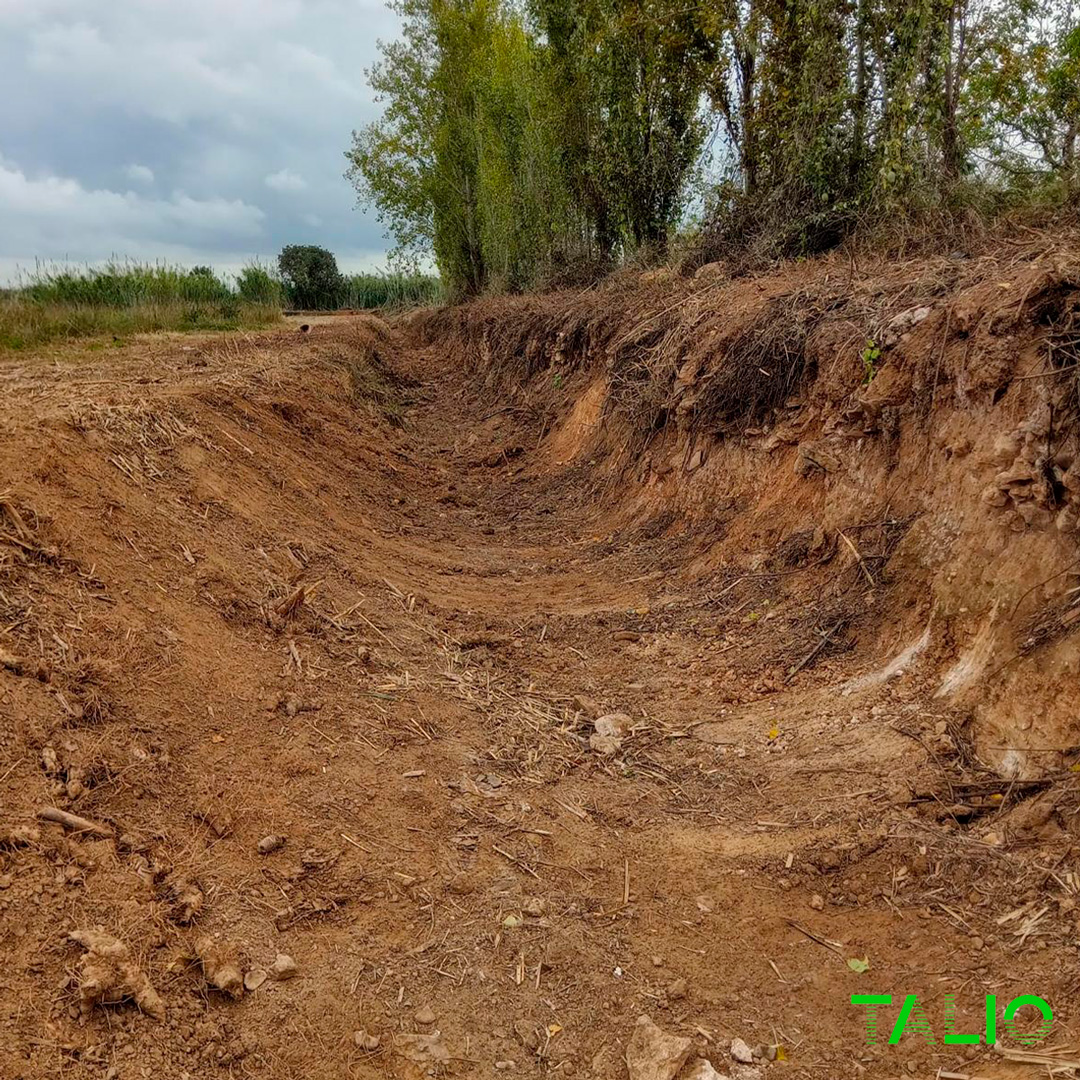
(604, 684)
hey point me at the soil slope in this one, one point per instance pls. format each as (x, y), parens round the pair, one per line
(380, 649)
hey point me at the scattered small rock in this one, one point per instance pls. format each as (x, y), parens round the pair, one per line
(741, 1052)
(534, 907)
(221, 965)
(283, 967)
(616, 724)
(608, 732)
(827, 862)
(607, 745)
(677, 990)
(900, 324)
(652, 1055)
(364, 1041)
(703, 1070)
(254, 979)
(425, 1015)
(626, 635)
(817, 902)
(270, 843)
(747, 1072)
(461, 884)
(423, 1049)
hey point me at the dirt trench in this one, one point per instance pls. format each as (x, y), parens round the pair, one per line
(421, 723)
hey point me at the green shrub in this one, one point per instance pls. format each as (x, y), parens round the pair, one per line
(395, 289)
(54, 303)
(258, 285)
(311, 276)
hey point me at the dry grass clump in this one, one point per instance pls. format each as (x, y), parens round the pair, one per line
(645, 333)
(722, 353)
(1063, 349)
(762, 366)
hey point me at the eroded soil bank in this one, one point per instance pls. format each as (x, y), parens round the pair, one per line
(521, 669)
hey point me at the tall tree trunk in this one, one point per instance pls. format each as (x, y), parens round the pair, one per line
(950, 136)
(1070, 166)
(747, 61)
(859, 106)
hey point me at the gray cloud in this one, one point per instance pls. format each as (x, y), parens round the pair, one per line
(285, 180)
(207, 131)
(141, 174)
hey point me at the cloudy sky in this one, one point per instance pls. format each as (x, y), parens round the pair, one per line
(199, 131)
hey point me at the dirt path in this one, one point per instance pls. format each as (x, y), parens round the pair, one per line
(257, 607)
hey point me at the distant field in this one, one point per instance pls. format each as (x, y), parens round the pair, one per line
(24, 324)
(391, 290)
(127, 298)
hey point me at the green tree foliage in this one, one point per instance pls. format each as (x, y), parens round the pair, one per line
(510, 146)
(652, 60)
(311, 276)
(523, 137)
(1027, 85)
(845, 110)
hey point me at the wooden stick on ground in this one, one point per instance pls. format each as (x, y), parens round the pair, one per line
(825, 639)
(858, 555)
(834, 945)
(74, 822)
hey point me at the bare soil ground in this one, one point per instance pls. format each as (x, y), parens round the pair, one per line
(264, 586)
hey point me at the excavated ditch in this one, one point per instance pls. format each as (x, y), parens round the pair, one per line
(441, 696)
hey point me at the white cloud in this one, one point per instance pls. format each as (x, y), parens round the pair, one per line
(206, 99)
(285, 180)
(209, 59)
(140, 174)
(54, 217)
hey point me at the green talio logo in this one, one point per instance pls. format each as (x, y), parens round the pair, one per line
(913, 1018)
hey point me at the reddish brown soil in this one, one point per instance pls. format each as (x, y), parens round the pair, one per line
(415, 723)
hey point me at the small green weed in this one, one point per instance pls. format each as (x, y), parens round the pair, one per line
(870, 356)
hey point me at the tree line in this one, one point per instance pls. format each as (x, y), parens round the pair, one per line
(525, 141)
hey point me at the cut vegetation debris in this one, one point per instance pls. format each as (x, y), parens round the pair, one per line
(376, 703)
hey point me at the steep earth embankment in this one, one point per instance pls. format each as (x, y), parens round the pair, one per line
(920, 422)
(440, 697)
